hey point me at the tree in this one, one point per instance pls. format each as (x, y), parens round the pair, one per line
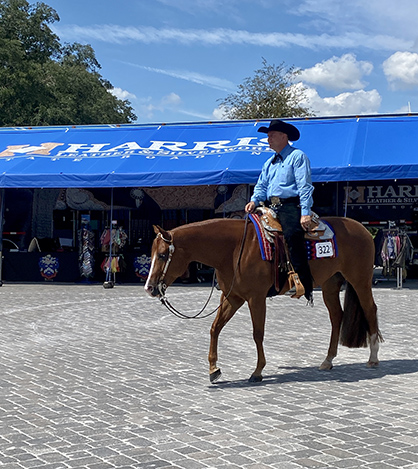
(45, 83)
(271, 92)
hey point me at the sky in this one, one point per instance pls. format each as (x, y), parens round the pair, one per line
(176, 60)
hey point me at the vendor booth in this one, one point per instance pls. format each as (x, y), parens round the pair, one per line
(65, 190)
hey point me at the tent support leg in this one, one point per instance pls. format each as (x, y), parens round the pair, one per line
(108, 283)
(2, 192)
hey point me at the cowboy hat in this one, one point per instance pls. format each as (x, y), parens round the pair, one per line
(290, 130)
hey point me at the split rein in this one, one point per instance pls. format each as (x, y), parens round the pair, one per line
(162, 287)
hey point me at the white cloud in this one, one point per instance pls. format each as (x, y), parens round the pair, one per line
(404, 109)
(344, 104)
(147, 108)
(401, 69)
(122, 94)
(150, 109)
(171, 100)
(194, 77)
(355, 103)
(338, 73)
(198, 7)
(149, 35)
(371, 16)
(219, 113)
(195, 114)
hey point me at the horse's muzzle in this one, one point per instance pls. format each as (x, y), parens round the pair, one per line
(152, 290)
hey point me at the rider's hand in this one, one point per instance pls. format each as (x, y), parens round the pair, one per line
(305, 221)
(250, 207)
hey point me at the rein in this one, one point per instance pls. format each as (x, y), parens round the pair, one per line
(162, 287)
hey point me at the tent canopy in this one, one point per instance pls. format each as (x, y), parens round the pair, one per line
(340, 149)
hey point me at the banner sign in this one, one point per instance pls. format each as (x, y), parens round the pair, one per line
(390, 200)
(218, 153)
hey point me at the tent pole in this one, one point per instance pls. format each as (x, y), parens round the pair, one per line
(346, 200)
(108, 282)
(337, 204)
(2, 193)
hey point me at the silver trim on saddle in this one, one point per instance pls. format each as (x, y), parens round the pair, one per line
(267, 218)
(271, 225)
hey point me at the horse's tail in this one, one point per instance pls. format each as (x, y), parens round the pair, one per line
(354, 326)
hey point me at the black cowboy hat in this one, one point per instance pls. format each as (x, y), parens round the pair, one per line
(290, 130)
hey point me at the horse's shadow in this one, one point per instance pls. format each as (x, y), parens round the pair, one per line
(348, 373)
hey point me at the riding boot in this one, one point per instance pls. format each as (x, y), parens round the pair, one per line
(289, 217)
(298, 257)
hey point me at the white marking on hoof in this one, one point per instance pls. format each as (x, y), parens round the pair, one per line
(374, 349)
(326, 365)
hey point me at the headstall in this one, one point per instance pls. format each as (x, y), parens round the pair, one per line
(162, 287)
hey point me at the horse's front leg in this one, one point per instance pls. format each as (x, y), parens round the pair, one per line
(226, 310)
(331, 294)
(258, 316)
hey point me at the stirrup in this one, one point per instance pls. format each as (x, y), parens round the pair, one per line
(291, 292)
(296, 284)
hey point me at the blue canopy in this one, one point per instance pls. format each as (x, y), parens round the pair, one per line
(340, 149)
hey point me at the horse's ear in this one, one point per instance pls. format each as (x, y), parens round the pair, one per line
(157, 229)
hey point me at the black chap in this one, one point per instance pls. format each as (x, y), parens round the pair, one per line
(289, 217)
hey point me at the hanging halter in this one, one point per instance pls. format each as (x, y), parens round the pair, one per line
(162, 287)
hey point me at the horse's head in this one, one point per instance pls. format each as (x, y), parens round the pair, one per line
(165, 265)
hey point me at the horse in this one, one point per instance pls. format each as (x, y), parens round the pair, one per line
(231, 247)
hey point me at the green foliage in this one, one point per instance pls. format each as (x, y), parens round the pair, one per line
(270, 93)
(45, 83)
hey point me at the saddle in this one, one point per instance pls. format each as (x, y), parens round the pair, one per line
(271, 225)
(273, 232)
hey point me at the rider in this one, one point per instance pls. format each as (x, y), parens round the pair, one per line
(285, 182)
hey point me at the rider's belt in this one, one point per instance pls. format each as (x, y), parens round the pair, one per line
(275, 201)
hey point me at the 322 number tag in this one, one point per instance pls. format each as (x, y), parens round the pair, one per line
(324, 249)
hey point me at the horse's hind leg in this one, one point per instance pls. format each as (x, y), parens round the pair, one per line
(363, 289)
(225, 312)
(331, 295)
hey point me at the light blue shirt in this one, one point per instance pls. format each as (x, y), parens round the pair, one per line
(288, 178)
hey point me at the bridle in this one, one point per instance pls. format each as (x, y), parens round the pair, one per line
(162, 286)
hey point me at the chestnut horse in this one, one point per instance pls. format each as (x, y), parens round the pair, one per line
(231, 247)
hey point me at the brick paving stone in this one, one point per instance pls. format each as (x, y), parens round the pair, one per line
(380, 466)
(395, 462)
(95, 378)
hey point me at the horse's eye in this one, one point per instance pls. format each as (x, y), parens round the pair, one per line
(162, 256)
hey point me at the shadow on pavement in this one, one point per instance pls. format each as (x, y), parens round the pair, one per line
(342, 373)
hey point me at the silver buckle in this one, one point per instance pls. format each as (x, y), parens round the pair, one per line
(275, 201)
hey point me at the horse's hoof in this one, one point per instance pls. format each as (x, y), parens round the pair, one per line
(326, 366)
(215, 376)
(255, 379)
(372, 364)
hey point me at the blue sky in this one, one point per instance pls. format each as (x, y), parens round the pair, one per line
(176, 59)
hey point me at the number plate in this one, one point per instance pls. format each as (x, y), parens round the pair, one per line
(324, 249)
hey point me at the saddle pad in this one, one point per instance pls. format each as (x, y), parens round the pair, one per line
(322, 249)
(265, 246)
